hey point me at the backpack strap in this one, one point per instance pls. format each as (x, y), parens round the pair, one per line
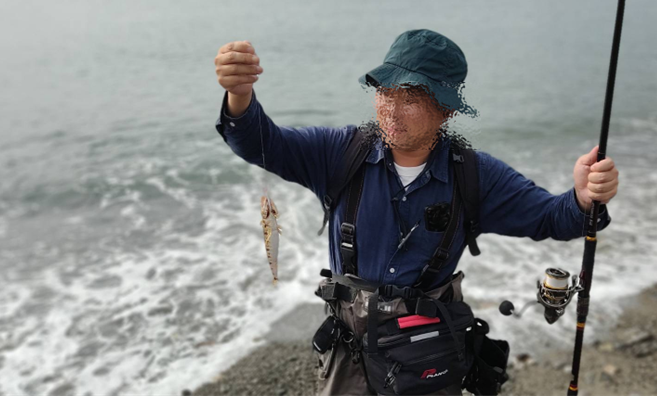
(441, 254)
(354, 156)
(348, 226)
(467, 178)
(465, 194)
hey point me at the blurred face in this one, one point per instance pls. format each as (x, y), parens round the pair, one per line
(409, 118)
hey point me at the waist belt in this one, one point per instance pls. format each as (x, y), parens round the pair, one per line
(346, 288)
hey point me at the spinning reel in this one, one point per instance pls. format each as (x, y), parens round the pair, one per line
(554, 293)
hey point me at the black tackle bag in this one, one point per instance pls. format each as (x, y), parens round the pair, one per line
(415, 355)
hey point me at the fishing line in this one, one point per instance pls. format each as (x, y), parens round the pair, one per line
(264, 166)
(268, 210)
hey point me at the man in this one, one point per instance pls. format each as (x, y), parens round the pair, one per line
(407, 170)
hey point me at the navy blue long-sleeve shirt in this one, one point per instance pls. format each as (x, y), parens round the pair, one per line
(510, 204)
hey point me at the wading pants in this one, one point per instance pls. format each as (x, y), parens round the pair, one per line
(337, 374)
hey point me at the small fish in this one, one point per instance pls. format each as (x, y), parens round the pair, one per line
(271, 231)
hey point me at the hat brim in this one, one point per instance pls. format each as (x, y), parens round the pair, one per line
(447, 95)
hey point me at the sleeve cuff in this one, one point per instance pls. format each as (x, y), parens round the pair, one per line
(226, 124)
(603, 216)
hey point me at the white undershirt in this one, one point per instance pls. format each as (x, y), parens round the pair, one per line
(408, 173)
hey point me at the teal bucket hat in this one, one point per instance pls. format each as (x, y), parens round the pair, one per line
(424, 57)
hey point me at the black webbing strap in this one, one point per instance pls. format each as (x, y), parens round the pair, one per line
(353, 158)
(450, 324)
(441, 254)
(372, 323)
(467, 178)
(348, 226)
(394, 291)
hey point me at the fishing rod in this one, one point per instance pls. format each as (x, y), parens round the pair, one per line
(586, 276)
(555, 291)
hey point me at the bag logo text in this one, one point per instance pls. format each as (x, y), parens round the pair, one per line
(431, 373)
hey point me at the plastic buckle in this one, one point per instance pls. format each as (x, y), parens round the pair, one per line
(458, 158)
(347, 246)
(347, 229)
(392, 291)
(391, 377)
(326, 202)
(407, 293)
(440, 254)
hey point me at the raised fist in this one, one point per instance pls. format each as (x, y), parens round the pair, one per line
(237, 67)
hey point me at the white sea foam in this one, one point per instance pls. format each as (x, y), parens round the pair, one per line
(167, 317)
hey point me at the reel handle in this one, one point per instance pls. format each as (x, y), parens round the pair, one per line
(508, 309)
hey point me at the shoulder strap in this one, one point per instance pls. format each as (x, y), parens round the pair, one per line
(465, 194)
(440, 256)
(467, 178)
(353, 158)
(348, 226)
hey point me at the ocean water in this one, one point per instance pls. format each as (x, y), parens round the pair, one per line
(131, 257)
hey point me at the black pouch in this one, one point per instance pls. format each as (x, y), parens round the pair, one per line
(327, 334)
(436, 216)
(422, 357)
(488, 372)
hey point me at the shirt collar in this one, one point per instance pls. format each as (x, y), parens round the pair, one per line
(437, 163)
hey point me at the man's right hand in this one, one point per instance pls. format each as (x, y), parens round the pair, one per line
(237, 67)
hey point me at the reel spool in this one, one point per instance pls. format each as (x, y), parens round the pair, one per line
(554, 293)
